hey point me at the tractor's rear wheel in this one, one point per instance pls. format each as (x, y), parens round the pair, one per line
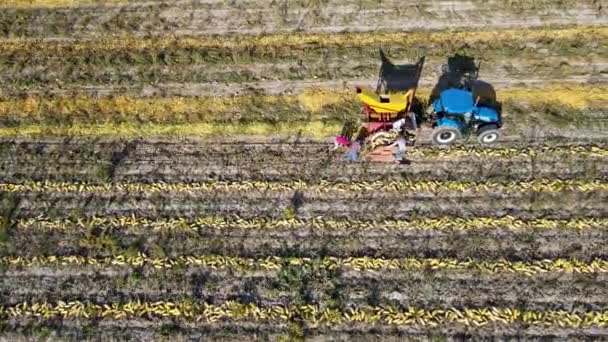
(446, 135)
(488, 134)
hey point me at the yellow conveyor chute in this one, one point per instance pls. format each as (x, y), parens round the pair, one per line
(384, 103)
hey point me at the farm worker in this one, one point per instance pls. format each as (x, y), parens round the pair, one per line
(400, 151)
(353, 152)
(340, 141)
(398, 125)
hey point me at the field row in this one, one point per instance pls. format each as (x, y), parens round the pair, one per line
(544, 127)
(403, 186)
(283, 64)
(89, 149)
(312, 106)
(258, 17)
(28, 233)
(54, 77)
(19, 330)
(176, 70)
(342, 287)
(360, 264)
(309, 314)
(263, 44)
(58, 3)
(311, 168)
(199, 225)
(287, 64)
(303, 285)
(531, 200)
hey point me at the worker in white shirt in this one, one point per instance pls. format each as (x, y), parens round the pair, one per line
(398, 125)
(399, 154)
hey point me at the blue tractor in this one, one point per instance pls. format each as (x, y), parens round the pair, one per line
(462, 105)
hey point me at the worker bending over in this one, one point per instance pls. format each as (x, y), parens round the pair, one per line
(399, 154)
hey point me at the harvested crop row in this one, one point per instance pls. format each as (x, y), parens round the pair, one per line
(287, 283)
(146, 226)
(545, 185)
(359, 264)
(444, 238)
(549, 201)
(294, 284)
(368, 201)
(545, 239)
(309, 313)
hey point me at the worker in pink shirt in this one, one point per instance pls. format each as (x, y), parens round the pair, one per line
(340, 141)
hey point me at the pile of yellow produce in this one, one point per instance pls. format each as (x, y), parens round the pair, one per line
(330, 263)
(310, 314)
(540, 185)
(217, 222)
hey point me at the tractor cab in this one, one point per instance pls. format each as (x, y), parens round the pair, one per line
(460, 72)
(461, 104)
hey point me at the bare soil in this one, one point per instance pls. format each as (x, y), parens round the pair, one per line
(222, 72)
(175, 161)
(422, 289)
(313, 241)
(255, 17)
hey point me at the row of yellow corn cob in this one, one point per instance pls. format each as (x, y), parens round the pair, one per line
(475, 151)
(330, 263)
(544, 185)
(310, 314)
(217, 222)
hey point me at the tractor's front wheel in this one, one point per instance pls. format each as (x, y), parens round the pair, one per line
(488, 134)
(446, 135)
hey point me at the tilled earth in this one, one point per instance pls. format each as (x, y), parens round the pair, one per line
(193, 17)
(267, 239)
(58, 195)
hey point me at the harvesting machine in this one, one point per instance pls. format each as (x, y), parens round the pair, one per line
(388, 106)
(461, 104)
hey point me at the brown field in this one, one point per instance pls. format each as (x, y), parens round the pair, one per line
(166, 174)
